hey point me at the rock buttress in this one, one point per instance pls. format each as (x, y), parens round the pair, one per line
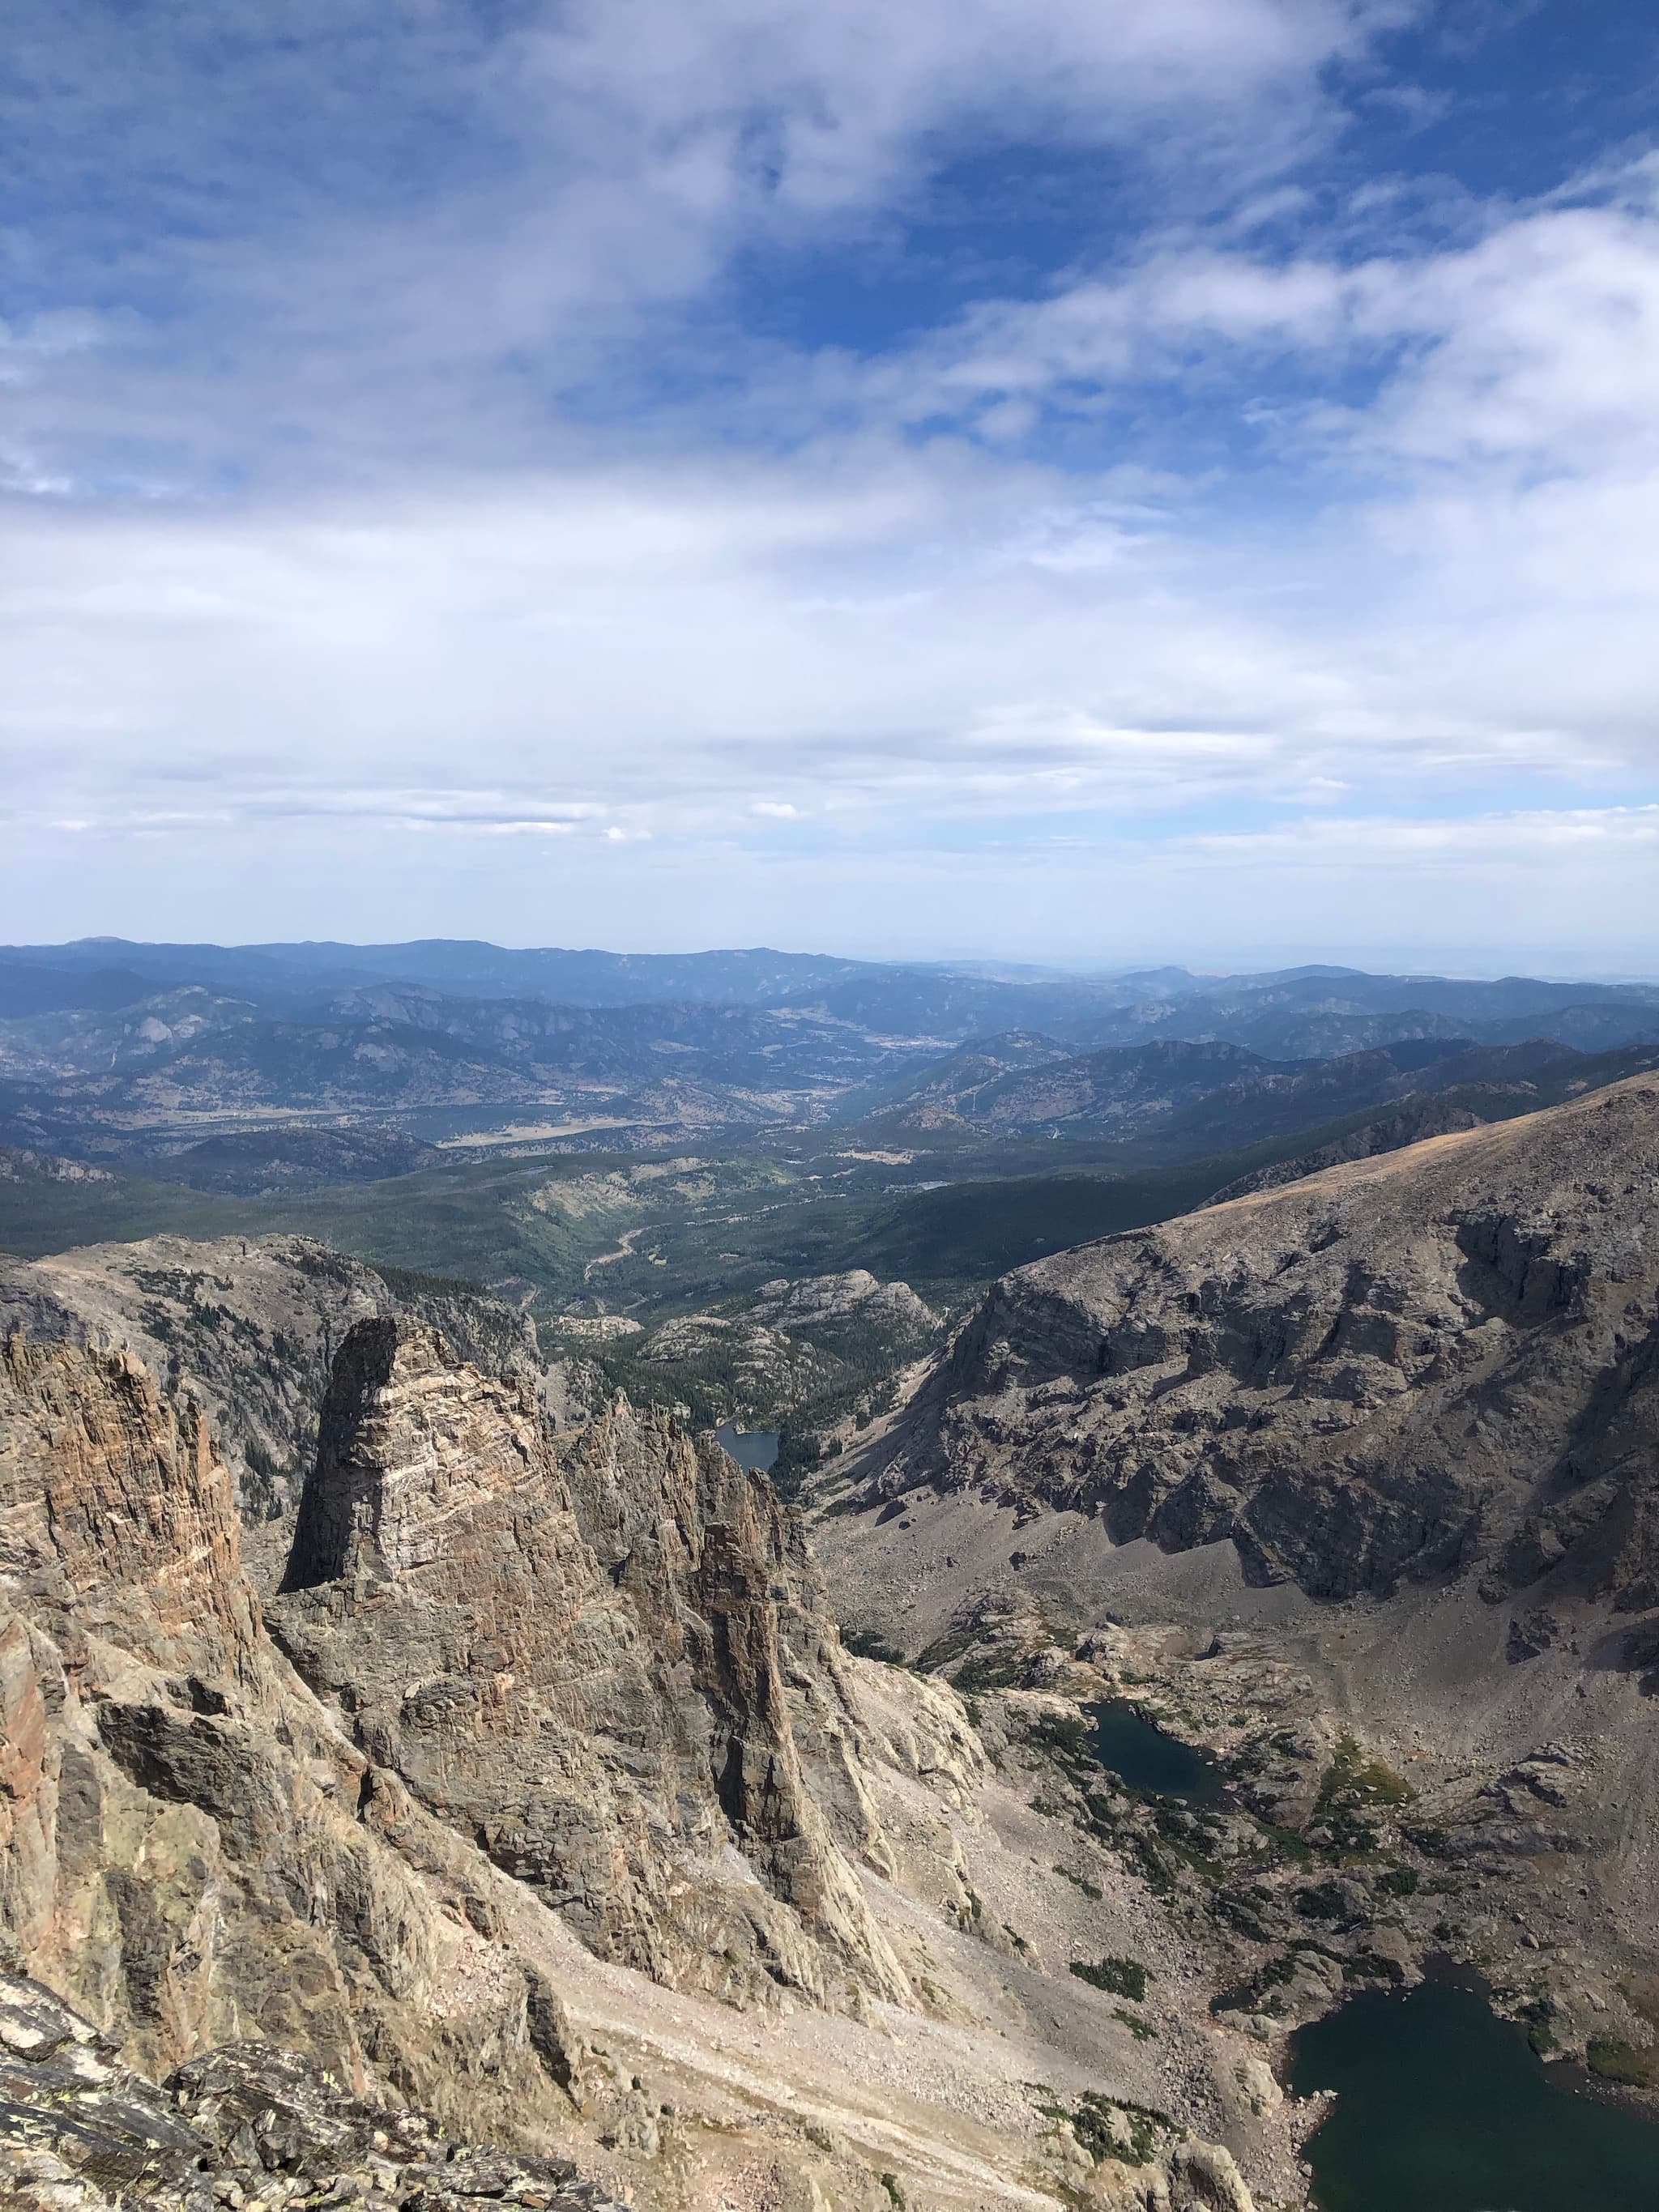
(191, 1850)
(576, 1662)
(1438, 1361)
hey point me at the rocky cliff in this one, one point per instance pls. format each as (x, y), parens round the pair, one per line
(579, 1664)
(248, 1327)
(1441, 1361)
(1356, 1482)
(80, 2128)
(191, 1850)
(541, 1799)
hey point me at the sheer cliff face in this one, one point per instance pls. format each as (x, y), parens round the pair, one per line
(580, 1665)
(179, 1845)
(1445, 1358)
(591, 1674)
(248, 1328)
(115, 1505)
(576, 1674)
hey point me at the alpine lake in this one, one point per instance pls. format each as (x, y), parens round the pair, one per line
(755, 1449)
(1440, 2105)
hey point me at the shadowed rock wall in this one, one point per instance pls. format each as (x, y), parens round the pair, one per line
(1438, 1361)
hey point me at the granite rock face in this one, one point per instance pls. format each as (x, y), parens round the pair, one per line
(818, 1298)
(80, 2130)
(191, 1850)
(1441, 1360)
(583, 1675)
(579, 1660)
(248, 1327)
(544, 1692)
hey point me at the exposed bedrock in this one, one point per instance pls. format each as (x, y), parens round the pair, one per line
(578, 1660)
(194, 1847)
(1440, 1360)
(550, 1691)
(191, 1850)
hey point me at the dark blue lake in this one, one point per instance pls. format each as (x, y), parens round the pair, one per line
(1444, 2108)
(1147, 1758)
(756, 1447)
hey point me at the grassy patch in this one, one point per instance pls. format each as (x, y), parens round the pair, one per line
(1398, 1881)
(1100, 2124)
(989, 1670)
(866, 1644)
(1080, 1881)
(1353, 1783)
(1321, 1900)
(1614, 2060)
(1119, 1978)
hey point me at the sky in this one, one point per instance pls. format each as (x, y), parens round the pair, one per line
(1058, 479)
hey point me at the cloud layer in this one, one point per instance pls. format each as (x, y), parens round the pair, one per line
(444, 457)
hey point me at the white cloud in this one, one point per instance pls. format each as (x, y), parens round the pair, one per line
(1518, 839)
(313, 546)
(1537, 342)
(591, 643)
(350, 239)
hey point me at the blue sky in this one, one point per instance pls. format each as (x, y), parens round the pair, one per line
(1016, 476)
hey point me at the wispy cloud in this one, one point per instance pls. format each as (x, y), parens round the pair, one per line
(401, 448)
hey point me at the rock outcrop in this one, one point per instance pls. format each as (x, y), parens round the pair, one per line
(19, 1164)
(191, 1850)
(248, 1327)
(80, 2130)
(578, 1663)
(1441, 1360)
(572, 1801)
(817, 1299)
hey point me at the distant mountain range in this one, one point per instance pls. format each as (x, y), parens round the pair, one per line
(113, 1044)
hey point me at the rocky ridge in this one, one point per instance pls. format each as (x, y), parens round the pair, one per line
(819, 1298)
(571, 1781)
(248, 1328)
(19, 1164)
(1433, 1117)
(80, 2131)
(1353, 1484)
(1440, 1360)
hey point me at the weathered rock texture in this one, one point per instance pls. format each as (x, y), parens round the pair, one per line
(1440, 1360)
(80, 2130)
(818, 1298)
(248, 1327)
(191, 1850)
(552, 1689)
(580, 1665)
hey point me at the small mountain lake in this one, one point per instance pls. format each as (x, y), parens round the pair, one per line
(1147, 1758)
(752, 1448)
(1442, 2107)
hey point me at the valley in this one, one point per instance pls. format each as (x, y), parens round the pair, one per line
(1203, 1596)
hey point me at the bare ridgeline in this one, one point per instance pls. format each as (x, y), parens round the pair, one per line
(513, 1786)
